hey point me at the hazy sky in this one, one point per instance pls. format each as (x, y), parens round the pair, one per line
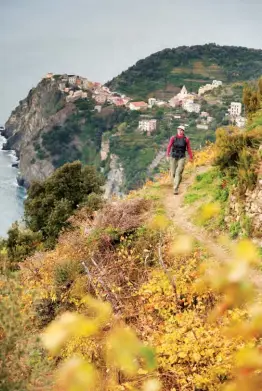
(101, 38)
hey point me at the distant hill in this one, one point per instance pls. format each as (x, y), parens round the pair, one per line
(192, 66)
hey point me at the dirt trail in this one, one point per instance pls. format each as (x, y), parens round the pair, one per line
(179, 213)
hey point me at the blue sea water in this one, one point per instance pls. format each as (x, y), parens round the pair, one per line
(12, 196)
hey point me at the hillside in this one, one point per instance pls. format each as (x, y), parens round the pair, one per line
(135, 275)
(51, 127)
(163, 72)
(151, 292)
(67, 117)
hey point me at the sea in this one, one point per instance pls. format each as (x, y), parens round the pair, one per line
(12, 196)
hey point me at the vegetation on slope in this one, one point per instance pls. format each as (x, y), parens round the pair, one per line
(237, 170)
(191, 66)
(125, 274)
(131, 255)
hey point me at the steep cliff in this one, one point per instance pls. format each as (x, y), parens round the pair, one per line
(44, 107)
(60, 122)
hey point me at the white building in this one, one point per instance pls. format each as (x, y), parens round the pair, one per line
(98, 108)
(151, 102)
(174, 102)
(100, 98)
(209, 87)
(202, 126)
(138, 106)
(217, 83)
(86, 84)
(73, 96)
(183, 93)
(72, 79)
(49, 75)
(147, 125)
(160, 103)
(191, 107)
(235, 109)
(240, 122)
(179, 98)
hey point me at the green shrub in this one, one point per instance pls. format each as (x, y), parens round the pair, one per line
(21, 243)
(247, 225)
(237, 155)
(93, 202)
(190, 198)
(49, 204)
(234, 230)
(65, 273)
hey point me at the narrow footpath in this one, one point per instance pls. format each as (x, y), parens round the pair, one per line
(179, 213)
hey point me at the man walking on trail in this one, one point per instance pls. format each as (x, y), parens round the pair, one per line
(177, 147)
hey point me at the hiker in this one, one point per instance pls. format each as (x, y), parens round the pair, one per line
(177, 151)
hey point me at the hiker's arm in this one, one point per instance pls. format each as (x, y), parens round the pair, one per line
(189, 149)
(170, 145)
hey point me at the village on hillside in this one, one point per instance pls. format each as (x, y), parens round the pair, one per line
(76, 87)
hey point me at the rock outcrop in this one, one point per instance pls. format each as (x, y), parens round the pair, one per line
(43, 108)
(249, 207)
(115, 178)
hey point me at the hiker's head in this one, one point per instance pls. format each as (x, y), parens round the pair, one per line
(181, 130)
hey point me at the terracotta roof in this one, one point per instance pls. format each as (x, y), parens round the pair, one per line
(138, 104)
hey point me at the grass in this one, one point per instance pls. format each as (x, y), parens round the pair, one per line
(202, 188)
(191, 198)
(208, 187)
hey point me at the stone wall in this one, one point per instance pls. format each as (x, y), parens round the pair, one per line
(249, 206)
(253, 206)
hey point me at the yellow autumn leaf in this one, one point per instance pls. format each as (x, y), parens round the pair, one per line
(159, 222)
(77, 375)
(152, 385)
(249, 358)
(122, 350)
(68, 325)
(209, 210)
(102, 310)
(182, 245)
(245, 250)
(142, 371)
(196, 357)
(182, 355)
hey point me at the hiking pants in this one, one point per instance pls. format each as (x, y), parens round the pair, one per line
(177, 167)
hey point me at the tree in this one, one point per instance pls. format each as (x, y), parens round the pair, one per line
(252, 97)
(52, 202)
(20, 243)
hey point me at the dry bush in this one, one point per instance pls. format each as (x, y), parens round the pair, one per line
(124, 215)
(111, 247)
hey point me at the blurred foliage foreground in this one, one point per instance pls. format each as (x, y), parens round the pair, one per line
(126, 302)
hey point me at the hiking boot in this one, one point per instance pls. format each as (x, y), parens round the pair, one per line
(175, 191)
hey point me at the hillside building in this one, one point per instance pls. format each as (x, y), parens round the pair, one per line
(202, 126)
(235, 109)
(151, 102)
(209, 87)
(138, 106)
(72, 79)
(49, 75)
(191, 107)
(148, 125)
(240, 122)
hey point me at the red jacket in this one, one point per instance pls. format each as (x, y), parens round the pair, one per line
(187, 146)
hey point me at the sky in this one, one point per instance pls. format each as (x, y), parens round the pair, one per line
(99, 39)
